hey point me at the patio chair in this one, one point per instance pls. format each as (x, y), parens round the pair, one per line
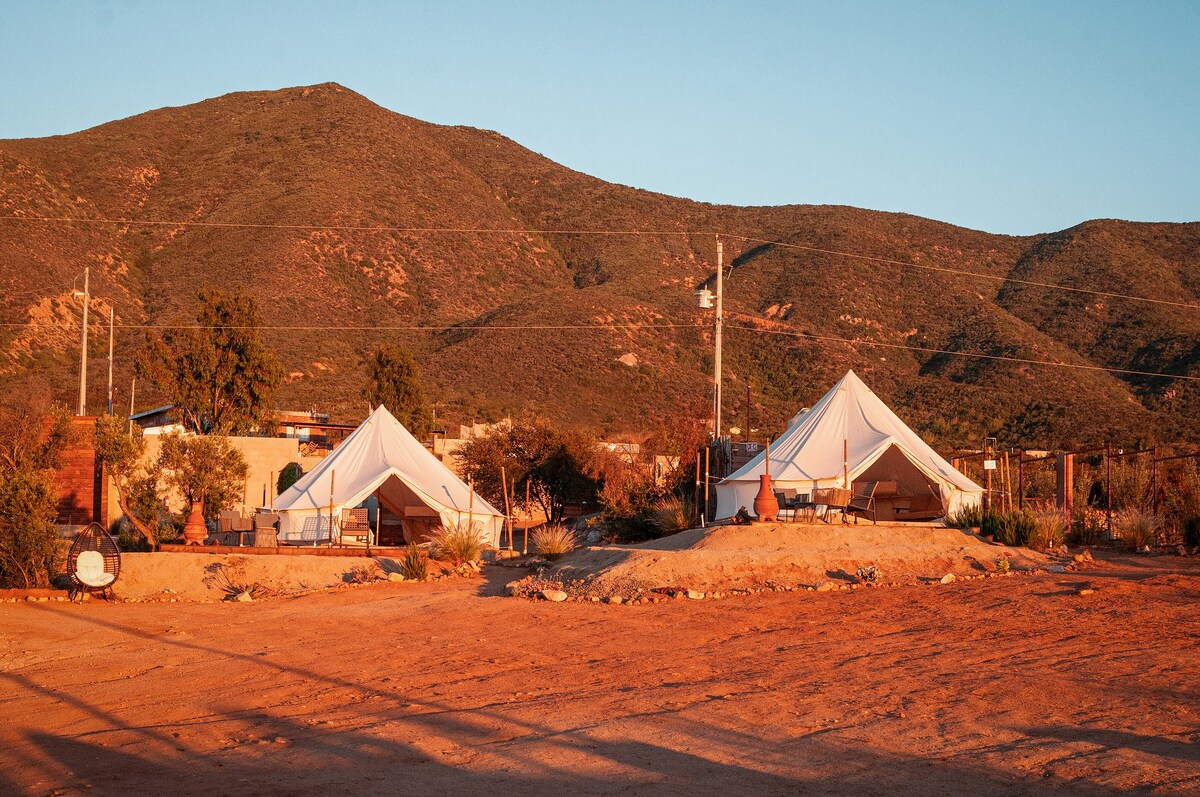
(266, 530)
(93, 562)
(830, 499)
(786, 498)
(862, 502)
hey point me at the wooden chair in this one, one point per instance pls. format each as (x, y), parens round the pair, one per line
(355, 524)
(862, 502)
(93, 562)
(921, 507)
(831, 499)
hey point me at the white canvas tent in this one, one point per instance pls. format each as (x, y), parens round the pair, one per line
(849, 430)
(381, 455)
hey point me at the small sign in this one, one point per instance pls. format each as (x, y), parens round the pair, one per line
(989, 464)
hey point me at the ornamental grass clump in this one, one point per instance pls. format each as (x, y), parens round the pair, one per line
(669, 515)
(1137, 529)
(554, 540)
(457, 545)
(1049, 530)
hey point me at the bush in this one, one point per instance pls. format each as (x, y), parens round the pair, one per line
(1135, 528)
(30, 554)
(968, 517)
(289, 474)
(669, 515)
(1014, 528)
(553, 540)
(414, 566)
(1049, 530)
(1087, 525)
(457, 545)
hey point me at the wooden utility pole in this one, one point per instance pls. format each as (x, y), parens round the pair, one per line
(716, 340)
(111, 328)
(87, 298)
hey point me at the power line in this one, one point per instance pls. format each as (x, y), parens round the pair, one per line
(654, 233)
(966, 273)
(977, 355)
(381, 327)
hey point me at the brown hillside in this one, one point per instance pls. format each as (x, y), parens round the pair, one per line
(301, 162)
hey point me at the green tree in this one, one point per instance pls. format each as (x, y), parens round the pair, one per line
(203, 468)
(553, 462)
(137, 483)
(393, 381)
(288, 475)
(197, 466)
(220, 376)
(33, 433)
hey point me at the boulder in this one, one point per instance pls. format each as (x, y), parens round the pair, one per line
(695, 595)
(395, 577)
(947, 579)
(555, 595)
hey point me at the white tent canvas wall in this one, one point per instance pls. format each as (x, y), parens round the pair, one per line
(382, 458)
(849, 432)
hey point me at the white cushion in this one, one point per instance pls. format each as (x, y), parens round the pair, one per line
(89, 569)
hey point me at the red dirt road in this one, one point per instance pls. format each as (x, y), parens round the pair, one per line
(1014, 685)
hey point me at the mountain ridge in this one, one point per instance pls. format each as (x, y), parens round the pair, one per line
(311, 163)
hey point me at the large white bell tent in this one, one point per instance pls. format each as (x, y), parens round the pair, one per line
(383, 459)
(850, 435)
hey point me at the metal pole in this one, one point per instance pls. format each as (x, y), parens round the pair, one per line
(83, 352)
(132, 391)
(110, 359)
(717, 339)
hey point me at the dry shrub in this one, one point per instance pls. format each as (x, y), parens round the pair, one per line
(457, 545)
(554, 540)
(1135, 528)
(1049, 530)
(670, 515)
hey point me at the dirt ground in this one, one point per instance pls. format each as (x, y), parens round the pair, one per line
(790, 554)
(1018, 685)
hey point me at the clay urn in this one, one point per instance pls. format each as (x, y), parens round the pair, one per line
(194, 531)
(766, 506)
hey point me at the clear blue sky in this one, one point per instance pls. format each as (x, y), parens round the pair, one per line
(1009, 117)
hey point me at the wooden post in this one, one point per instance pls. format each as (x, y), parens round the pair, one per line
(1153, 480)
(274, 484)
(846, 463)
(1007, 483)
(470, 504)
(704, 514)
(528, 519)
(1021, 479)
(1108, 486)
(1065, 478)
(332, 476)
(507, 510)
(697, 496)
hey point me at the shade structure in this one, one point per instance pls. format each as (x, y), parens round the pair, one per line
(381, 455)
(850, 433)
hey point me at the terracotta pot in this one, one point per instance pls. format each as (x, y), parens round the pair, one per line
(765, 504)
(194, 531)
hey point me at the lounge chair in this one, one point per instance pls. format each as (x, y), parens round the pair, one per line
(830, 499)
(93, 562)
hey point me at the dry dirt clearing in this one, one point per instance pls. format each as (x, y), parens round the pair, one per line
(726, 557)
(1017, 685)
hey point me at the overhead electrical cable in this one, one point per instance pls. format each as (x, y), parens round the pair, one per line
(977, 355)
(655, 233)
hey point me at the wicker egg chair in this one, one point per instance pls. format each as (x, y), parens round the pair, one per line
(93, 563)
